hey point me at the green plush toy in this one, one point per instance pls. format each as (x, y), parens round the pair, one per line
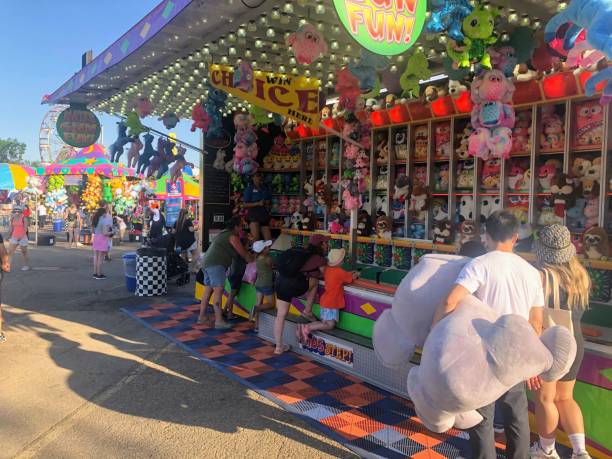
(277, 184)
(134, 126)
(417, 68)
(259, 116)
(478, 35)
(236, 183)
(294, 185)
(107, 192)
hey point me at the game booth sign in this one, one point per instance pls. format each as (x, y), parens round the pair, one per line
(394, 127)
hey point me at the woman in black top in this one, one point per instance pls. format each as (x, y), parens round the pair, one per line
(184, 235)
(157, 223)
(73, 225)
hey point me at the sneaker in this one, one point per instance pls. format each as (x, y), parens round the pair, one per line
(101, 276)
(580, 455)
(498, 429)
(25, 268)
(2, 337)
(536, 452)
(222, 326)
(94, 276)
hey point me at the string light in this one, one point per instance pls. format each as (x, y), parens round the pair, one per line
(288, 8)
(270, 32)
(320, 8)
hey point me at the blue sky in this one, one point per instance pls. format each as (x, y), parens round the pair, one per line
(41, 43)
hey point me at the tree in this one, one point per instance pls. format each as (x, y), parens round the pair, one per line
(12, 151)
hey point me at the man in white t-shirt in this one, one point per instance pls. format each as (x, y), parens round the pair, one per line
(510, 285)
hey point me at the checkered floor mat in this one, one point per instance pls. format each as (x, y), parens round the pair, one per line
(368, 420)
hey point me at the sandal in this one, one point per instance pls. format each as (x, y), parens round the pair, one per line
(308, 316)
(284, 349)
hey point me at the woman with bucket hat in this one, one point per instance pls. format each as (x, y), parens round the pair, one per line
(566, 290)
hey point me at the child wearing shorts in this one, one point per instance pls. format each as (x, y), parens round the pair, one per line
(264, 282)
(332, 299)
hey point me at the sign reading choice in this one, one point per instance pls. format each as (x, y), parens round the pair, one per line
(386, 27)
(296, 97)
(78, 126)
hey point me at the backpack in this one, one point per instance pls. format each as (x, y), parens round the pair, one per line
(291, 261)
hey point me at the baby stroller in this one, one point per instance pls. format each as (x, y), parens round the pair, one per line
(176, 266)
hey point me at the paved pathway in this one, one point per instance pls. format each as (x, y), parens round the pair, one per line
(80, 379)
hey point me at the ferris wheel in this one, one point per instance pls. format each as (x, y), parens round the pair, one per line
(52, 148)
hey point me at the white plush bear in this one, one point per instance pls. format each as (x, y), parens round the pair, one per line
(471, 357)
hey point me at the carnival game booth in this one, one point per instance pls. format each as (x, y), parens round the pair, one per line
(182, 193)
(394, 147)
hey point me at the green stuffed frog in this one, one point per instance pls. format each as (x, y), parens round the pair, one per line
(478, 36)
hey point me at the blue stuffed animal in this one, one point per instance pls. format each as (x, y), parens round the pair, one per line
(448, 15)
(366, 70)
(116, 149)
(215, 103)
(576, 220)
(146, 155)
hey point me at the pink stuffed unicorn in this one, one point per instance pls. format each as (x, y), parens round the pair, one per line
(200, 118)
(492, 116)
(307, 44)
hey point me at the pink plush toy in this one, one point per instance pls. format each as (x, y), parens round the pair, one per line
(142, 106)
(307, 44)
(351, 151)
(492, 116)
(200, 118)
(347, 87)
(350, 196)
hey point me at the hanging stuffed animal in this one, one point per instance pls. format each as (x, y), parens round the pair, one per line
(447, 16)
(492, 116)
(347, 87)
(142, 106)
(595, 17)
(243, 76)
(219, 162)
(215, 104)
(307, 44)
(157, 158)
(147, 154)
(134, 126)
(200, 118)
(134, 153)
(169, 120)
(116, 149)
(366, 70)
(417, 68)
(176, 172)
(478, 35)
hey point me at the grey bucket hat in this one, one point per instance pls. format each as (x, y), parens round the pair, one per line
(554, 245)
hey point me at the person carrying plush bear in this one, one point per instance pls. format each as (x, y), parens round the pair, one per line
(332, 299)
(509, 285)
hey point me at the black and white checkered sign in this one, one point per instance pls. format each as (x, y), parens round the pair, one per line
(151, 277)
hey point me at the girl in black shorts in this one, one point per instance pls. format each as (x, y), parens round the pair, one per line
(566, 287)
(257, 200)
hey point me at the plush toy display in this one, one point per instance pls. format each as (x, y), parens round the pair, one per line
(447, 16)
(442, 232)
(215, 105)
(401, 145)
(589, 124)
(364, 223)
(465, 175)
(384, 227)
(443, 140)
(134, 153)
(142, 106)
(445, 394)
(169, 120)
(468, 231)
(591, 212)
(147, 154)
(491, 174)
(419, 202)
(563, 194)
(417, 68)
(176, 171)
(521, 133)
(307, 44)
(492, 116)
(463, 141)
(92, 194)
(200, 118)
(116, 149)
(547, 173)
(420, 142)
(478, 36)
(441, 178)
(553, 130)
(596, 244)
(456, 88)
(593, 16)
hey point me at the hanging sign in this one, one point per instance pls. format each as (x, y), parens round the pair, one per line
(78, 126)
(387, 27)
(296, 97)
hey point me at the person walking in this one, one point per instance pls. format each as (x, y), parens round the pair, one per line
(5, 267)
(72, 217)
(509, 285)
(217, 259)
(103, 231)
(42, 215)
(566, 288)
(19, 235)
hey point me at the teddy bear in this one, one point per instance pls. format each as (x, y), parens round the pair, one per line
(521, 133)
(591, 212)
(491, 174)
(401, 145)
(442, 232)
(419, 202)
(364, 223)
(420, 143)
(456, 88)
(486, 353)
(580, 166)
(442, 139)
(492, 116)
(553, 136)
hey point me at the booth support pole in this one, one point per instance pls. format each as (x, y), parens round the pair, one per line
(353, 238)
(201, 206)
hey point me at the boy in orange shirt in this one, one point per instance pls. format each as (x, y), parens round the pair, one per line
(332, 299)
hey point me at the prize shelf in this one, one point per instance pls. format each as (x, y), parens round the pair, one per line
(278, 171)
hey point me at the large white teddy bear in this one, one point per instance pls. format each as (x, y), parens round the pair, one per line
(471, 357)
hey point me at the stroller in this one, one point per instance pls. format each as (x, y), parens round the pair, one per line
(176, 266)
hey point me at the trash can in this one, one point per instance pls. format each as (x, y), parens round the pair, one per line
(129, 269)
(86, 236)
(58, 226)
(151, 274)
(46, 239)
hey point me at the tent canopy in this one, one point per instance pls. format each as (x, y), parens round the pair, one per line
(14, 176)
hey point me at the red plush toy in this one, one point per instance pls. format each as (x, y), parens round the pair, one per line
(200, 118)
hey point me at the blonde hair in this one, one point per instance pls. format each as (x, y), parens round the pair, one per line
(572, 278)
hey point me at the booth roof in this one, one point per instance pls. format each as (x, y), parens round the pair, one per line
(14, 176)
(165, 56)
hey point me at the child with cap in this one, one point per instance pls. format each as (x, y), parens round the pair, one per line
(264, 282)
(332, 299)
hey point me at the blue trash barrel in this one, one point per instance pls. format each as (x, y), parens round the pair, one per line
(58, 226)
(129, 268)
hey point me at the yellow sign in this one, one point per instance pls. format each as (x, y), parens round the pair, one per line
(296, 97)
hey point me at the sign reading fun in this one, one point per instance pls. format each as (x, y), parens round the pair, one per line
(386, 27)
(296, 97)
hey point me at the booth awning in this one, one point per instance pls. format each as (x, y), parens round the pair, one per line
(14, 176)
